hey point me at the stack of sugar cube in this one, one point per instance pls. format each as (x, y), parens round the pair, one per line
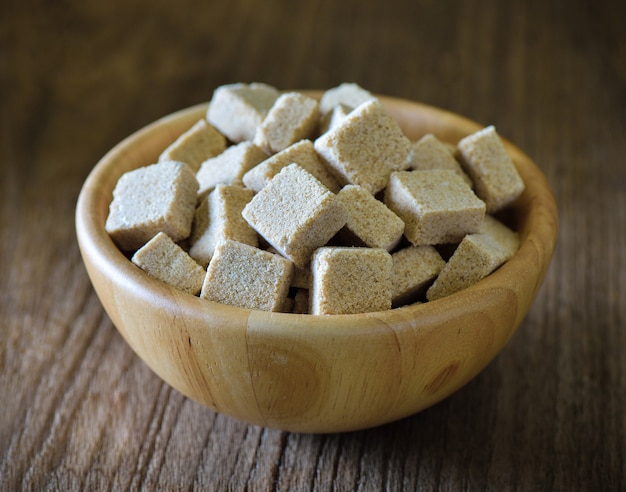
(280, 202)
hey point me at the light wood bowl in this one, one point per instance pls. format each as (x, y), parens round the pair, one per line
(307, 373)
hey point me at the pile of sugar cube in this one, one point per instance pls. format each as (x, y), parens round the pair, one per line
(279, 202)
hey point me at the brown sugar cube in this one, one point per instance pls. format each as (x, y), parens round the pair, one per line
(476, 257)
(156, 198)
(244, 276)
(236, 110)
(218, 218)
(292, 118)
(487, 162)
(229, 166)
(436, 206)
(302, 153)
(296, 214)
(454, 151)
(350, 280)
(301, 278)
(163, 259)
(366, 147)
(334, 117)
(370, 220)
(430, 153)
(197, 144)
(413, 269)
(348, 94)
(508, 239)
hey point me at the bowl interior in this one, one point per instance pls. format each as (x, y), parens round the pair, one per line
(314, 373)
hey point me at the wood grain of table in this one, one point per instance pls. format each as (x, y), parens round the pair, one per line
(80, 411)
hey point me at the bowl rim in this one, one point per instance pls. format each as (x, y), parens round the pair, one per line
(541, 218)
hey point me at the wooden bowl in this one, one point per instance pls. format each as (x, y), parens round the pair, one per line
(308, 373)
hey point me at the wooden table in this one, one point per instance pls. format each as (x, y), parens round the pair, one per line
(80, 411)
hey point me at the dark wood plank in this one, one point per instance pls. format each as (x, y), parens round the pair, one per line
(80, 411)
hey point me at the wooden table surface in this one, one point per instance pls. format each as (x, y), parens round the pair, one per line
(79, 410)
